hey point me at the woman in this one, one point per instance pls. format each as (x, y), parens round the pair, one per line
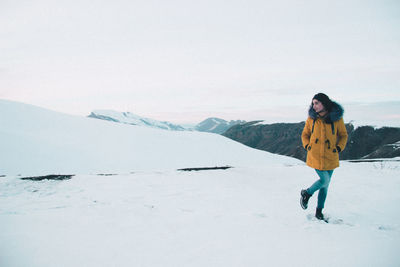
(324, 136)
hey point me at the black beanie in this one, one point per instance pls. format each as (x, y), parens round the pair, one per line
(324, 99)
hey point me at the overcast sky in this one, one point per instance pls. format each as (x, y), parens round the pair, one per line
(184, 61)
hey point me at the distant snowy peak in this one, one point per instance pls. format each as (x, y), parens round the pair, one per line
(216, 125)
(130, 118)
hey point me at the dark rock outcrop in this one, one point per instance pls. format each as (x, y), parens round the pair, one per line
(56, 177)
(370, 143)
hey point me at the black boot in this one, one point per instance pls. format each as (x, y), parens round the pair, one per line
(319, 215)
(305, 196)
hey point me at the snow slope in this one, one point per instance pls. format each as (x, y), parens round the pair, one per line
(38, 141)
(156, 216)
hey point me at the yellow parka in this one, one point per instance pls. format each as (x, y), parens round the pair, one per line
(324, 138)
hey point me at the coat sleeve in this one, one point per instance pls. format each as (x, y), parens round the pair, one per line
(306, 134)
(342, 134)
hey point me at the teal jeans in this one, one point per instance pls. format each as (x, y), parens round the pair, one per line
(322, 185)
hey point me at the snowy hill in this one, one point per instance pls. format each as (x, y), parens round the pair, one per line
(149, 214)
(216, 125)
(129, 118)
(38, 141)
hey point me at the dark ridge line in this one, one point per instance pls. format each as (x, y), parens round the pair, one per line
(373, 160)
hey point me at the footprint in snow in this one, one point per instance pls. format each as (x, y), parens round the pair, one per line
(329, 219)
(261, 215)
(386, 228)
(187, 210)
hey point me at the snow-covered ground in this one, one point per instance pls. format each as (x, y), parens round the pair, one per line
(243, 216)
(150, 214)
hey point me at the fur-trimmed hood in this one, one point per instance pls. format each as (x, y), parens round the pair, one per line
(335, 114)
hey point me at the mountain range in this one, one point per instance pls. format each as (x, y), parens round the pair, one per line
(364, 142)
(130, 118)
(216, 125)
(211, 125)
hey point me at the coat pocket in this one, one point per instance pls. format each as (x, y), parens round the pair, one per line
(332, 154)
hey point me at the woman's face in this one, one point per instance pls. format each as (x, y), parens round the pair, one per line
(317, 106)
